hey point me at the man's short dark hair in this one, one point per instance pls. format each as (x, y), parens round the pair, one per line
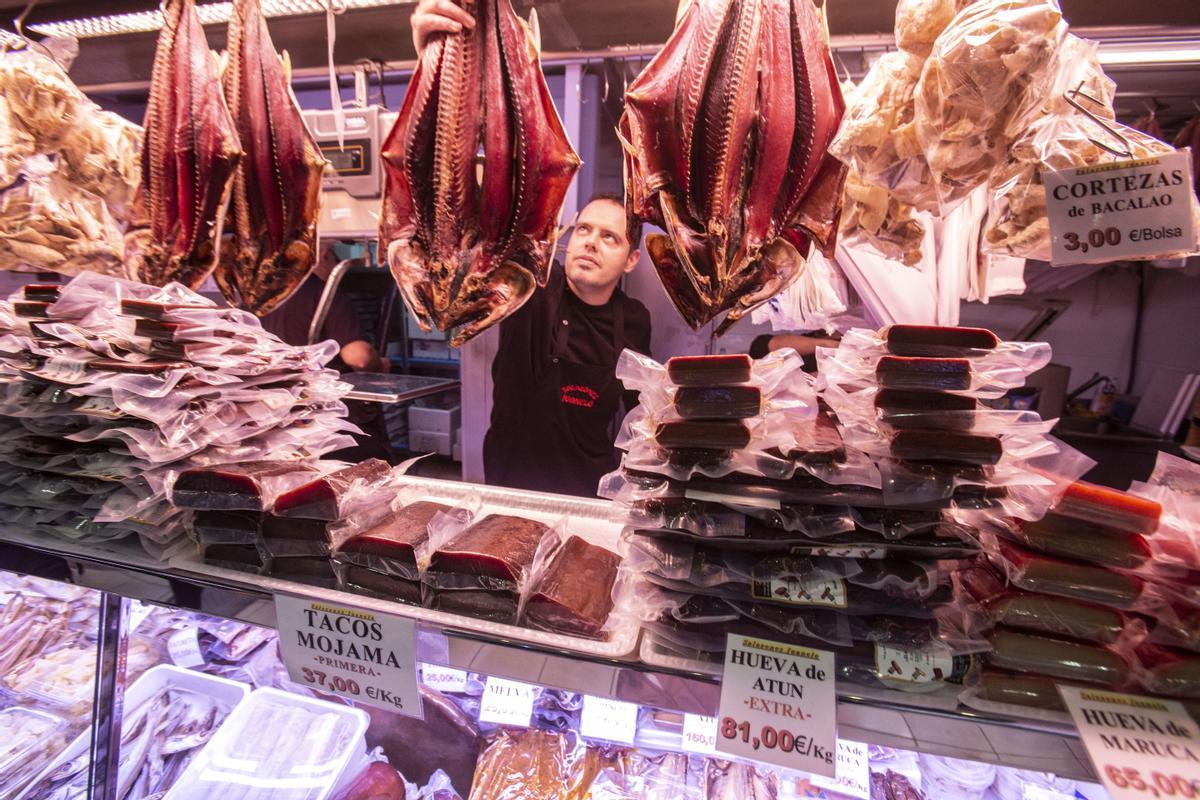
(633, 225)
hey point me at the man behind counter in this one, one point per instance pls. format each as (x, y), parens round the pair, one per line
(556, 399)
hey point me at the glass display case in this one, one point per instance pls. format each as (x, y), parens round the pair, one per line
(126, 677)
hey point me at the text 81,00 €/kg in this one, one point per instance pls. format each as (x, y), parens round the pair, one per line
(766, 737)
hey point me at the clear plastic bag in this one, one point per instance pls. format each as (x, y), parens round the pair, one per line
(736, 526)
(1066, 659)
(1167, 672)
(874, 217)
(987, 72)
(573, 591)
(1041, 574)
(400, 542)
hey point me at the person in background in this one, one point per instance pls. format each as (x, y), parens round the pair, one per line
(805, 344)
(291, 321)
(556, 398)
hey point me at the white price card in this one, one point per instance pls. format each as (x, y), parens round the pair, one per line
(507, 702)
(1143, 748)
(364, 656)
(778, 705)
(853, 771)
(184, 648)
(610, 720)
(1121, 210)
(699, 734)
(444, 679)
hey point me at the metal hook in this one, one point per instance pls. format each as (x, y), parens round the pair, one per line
(1070, 96)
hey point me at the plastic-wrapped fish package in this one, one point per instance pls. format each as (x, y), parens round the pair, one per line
(110, 390)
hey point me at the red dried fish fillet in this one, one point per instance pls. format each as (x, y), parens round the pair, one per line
(277, 188)
(574, 594)
(497, 547)
(248, 486)
(465, 252)
(189, 155)
(326, 497)
(725, 136)
(395, 540)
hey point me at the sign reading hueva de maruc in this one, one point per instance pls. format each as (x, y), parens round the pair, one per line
(364, 656)
(1121, 210)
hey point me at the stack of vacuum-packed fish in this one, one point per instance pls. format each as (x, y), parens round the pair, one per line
(1100, 591)
(108, 388)
(360, 529)
(750, 513)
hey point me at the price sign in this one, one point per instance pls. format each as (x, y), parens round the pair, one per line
(184, 648)
(364, 656)
(507, 702)
(1125, 209)
(1143, 748)
(699, 734)
(778, 705)
(853, 771)
(610, 720)
(444, 679)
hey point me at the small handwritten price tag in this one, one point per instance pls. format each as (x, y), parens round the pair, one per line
(364, 656)
(610, 720)
(778, 705)
(1121, 210)
(184, 648)
(444, 679)
(507, 702)
(699, 734)
(1143, 748)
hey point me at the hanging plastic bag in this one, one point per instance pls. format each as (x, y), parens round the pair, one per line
(987, 72)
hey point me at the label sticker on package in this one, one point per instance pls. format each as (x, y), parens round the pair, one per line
(444, 679)
(801, 590)
(1121, 210)
(912, 665)
(610, 720)
(699, 734)
(778, 705)
(853, 771)
(184, 648)
(1143, 748)
(364, 656)
(846, 551)
(507, 702)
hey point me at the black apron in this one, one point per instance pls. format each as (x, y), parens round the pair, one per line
(567, 444)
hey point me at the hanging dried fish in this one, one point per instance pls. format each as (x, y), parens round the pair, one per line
(277, 188)
(725, 135)
(188, 158)
(469, 251)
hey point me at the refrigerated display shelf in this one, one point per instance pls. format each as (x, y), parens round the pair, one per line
(885, 718)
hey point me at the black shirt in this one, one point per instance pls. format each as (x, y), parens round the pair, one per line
(291, 320)
(524, 368)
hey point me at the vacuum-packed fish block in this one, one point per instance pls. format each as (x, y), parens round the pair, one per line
(391, 546)
(1081, 540)
(706, 435)
(250, 486)
(495, 553)
(487, 604)
(41, 292)
(311, 570)
(718, 402)
(361, 580)
(1047, 575)
(225, 527)
(330, 496)
(951, 446)
(904, 408)
(721, 370)
(1111, 507)
(574, 593)
(924, 374)
(931, 340)
(1168, 672)
(294, 537)
(244, 557)
(1059, 658)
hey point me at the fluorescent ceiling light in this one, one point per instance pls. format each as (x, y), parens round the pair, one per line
(1165, 53)
(210, 14)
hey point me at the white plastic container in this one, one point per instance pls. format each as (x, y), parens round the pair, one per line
(23, 756)
(280, 746)
(229, 692)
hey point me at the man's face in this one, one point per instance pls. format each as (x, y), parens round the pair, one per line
(598, 252)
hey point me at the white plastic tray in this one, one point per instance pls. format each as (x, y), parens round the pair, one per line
(226, 766)
(594, 520)
(153, 679)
